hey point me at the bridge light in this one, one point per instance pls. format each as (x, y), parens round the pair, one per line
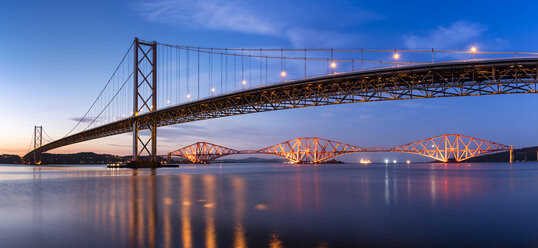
(244, 82)
(396, 56)
(188, 96)
(333, 65)
(213, 90)
(283, 74)
(168, 101)
(473, 50)
(408, 162)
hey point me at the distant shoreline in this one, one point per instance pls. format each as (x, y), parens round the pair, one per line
(522, 154)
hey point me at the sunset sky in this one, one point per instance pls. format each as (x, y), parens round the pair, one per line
(57, 56)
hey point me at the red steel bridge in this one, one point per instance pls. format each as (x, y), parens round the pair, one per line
(444, 148)
(157, 84)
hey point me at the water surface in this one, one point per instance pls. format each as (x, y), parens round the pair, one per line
(270, 205)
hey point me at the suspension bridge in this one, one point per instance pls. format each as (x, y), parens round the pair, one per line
(444, 148)
(157, 84)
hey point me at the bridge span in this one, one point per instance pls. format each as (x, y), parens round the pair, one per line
(444, 148)
(400, 81)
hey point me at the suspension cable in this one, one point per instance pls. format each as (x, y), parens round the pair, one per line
(114, 73)
(351, 50)
(123, 85)
(47, 134)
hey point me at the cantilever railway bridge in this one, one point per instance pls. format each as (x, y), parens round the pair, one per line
(158, 84)
(444, 148)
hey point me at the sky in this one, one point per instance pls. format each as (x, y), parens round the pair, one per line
(57, 56)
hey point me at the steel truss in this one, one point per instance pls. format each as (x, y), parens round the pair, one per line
(203, 152)
(444, 148)
(451, 147)
(462, 78)
(309, 150)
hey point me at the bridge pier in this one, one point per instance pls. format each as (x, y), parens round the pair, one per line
(511, 154)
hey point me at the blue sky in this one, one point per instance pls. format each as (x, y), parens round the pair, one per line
(57, 55)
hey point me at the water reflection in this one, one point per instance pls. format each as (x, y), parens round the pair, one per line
(239, 187)
(252, 206)
(186, 231)
(209, 204)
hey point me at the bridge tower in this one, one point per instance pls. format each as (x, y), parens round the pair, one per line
(144, 101)
(512, 154)
(38, 142)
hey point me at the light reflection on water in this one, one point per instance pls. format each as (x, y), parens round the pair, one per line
(275, 205)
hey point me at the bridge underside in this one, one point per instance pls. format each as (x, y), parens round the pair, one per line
(466, 78)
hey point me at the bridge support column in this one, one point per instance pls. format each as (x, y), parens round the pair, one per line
(169, 157)
(38, 142)
(511, 154)
(144, 81)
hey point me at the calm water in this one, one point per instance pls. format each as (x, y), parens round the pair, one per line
(270, 205)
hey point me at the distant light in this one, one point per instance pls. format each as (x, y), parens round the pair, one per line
(396, 56)
(188, 95)
(394, 161)
(473, 49)
(408, 162)
(365, 161)
(213, 89)
(386, 161)
(244, 82)
(433, 145)
(283, 74)
(123, 115)
(333, 65)
(168, 101)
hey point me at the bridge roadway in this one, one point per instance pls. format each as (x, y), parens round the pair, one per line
(447, 79)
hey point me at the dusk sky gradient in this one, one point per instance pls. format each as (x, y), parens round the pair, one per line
(57, 56)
